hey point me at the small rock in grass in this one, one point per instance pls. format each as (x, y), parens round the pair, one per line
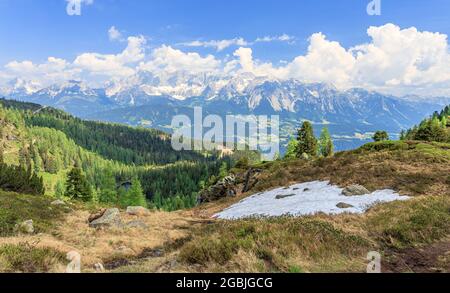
(58, 203)
(137, 224)
(343, 205)
(25, 227)
(137, 211)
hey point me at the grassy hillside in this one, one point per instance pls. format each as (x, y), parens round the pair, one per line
(338, 243)
(410, 167)
(411, 236)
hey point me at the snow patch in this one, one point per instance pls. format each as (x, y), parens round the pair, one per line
(305, 199)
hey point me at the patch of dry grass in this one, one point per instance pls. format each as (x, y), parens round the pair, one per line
(276, 245)
(100, 246)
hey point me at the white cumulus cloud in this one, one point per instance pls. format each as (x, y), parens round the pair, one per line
(119, 65)
(394, 60)
(169, 60)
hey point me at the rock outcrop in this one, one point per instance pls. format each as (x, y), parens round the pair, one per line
(224, 188)
(251, 178)
(230, 185)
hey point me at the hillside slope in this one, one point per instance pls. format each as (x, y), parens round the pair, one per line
(50, 143)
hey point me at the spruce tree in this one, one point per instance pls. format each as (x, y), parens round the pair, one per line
(137, 194)
(77, 186)
(108, 192)
(60, 189)
(291, 151)
(326, 147)
(307, 142)
(444, 121)
(134, 196)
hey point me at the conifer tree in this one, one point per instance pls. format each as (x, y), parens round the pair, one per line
(326, 147)
(108, 192)
(134, 196)
(403, 135)
(60, 189)
(77, 187)
(291, 151)
(307, 142)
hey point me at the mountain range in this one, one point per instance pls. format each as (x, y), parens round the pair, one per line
(152, 100)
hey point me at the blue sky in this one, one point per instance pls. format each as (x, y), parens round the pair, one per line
(35, 29)
(403, 51)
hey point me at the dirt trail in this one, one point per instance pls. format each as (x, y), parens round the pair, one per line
(430, 259)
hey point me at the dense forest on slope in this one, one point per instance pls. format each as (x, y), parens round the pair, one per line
(50, 143)
(139, 146)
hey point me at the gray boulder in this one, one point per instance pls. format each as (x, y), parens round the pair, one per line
(343, 205)
(110, 218)
(354, 190)
(137, 211)
(25, 227)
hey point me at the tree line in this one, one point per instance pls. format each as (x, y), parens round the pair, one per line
(435, 128)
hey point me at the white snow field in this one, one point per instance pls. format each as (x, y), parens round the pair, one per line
(305, 199)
